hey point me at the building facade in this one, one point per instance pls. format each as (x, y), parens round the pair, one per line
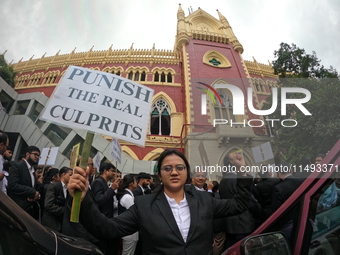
(206, 53)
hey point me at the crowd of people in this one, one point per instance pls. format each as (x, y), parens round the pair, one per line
(176, 211)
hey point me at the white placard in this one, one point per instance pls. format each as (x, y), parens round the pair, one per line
(263, 152)
(116, 151)
(96, 161)
(101, 102)
(48, 156)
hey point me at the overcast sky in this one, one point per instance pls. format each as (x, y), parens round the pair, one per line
(33, 27)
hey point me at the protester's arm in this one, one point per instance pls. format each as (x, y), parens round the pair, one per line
(90, 217)
(243, 197)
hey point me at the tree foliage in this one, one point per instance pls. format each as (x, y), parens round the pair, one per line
(293, 62)
(316, 133)
(6, 71)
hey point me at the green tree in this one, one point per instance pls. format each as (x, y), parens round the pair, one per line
(316, 133)
(6, 71)
(293, 62)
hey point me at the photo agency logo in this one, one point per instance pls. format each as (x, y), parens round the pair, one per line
(239, 99)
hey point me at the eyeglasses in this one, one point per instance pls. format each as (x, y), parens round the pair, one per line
(36, 154)
(169, 169)
(200, 176)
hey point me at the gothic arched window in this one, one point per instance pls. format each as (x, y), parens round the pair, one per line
(225, 111)
(160, 118)
(163, 77)
(156, 78)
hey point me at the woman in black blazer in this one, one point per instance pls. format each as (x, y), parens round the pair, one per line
(175, 220)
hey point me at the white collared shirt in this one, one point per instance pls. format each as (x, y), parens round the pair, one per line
(64, 189)
(3, 182)
(181, 214)
(200, 189)
(142, 189)
(127, 201)
(115, 204)
(31, 170)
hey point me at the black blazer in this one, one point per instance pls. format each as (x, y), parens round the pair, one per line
(263, 192)
(103, 195)
(167, 239)
(138, 191)
(283, 190)
(20, 186)
(54, 206)
(242, 223)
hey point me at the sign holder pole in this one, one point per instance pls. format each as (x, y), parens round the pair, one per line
(75, 210)
(47, 157)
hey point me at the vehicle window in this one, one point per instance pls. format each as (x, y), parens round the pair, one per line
(325, 221)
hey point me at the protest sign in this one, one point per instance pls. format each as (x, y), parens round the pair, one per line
(263, 152)
(96, 161)
(116, 151)
(101, 102)
(48, 156)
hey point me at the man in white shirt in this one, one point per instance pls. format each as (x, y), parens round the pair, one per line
(23, 187)
(55, 200)
(199, 180)
(4, 141)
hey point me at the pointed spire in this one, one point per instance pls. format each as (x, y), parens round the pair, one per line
(44, 55)
(153, 47)
(31, 57)
(57, 54)
(74, 50)
(131, 46)
(180, 8)
(180, 13)
(229, 31)
(91, 48)
(20, 59)
(222, 18)
(3, 54)
(110, 49)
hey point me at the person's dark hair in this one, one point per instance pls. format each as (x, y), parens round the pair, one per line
(3, 137)
(64, 170)
(21, 156)
(124, 184)
(105, 166)
(305, 161)
(321, 155)
(216, 186)
(169, 152)
(9, 148)
(143, 175)
(127, 180)
(49, 174)
(32, 148)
